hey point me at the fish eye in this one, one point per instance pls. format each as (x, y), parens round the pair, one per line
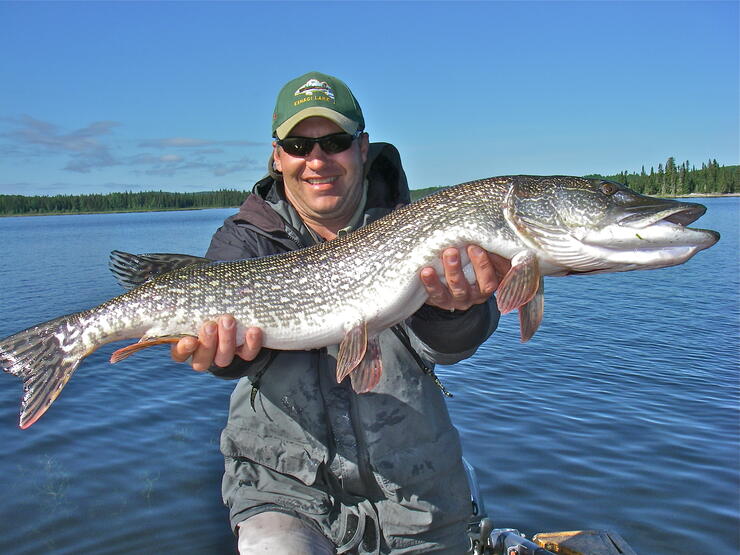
(609, 188)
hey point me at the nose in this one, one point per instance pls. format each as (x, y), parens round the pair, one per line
(317, 157)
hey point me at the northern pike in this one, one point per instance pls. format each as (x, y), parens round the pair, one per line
(348, 290)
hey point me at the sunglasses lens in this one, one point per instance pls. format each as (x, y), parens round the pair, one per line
(331, 144)
(297, 146)
(336, 143)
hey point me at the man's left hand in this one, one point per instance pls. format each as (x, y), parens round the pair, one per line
(458, 294)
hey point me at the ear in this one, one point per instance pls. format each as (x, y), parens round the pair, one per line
(276, 157)
(364, 140)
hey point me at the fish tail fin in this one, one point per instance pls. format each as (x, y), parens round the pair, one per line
(44, 356)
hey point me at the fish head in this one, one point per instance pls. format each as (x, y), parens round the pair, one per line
(597, 226)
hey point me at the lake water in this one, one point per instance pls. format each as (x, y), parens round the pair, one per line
(622, 412)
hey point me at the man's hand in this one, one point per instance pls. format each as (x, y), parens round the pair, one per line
(216, 345)
(458, 294)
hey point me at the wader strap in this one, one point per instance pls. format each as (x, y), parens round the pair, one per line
(358, 522)
(258, 378)
(404, 339)
(365, 538)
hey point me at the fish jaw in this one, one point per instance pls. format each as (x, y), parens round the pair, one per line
(649, 233)
(639, 211)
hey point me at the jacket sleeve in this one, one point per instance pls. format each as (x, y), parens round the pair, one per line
(447, 337)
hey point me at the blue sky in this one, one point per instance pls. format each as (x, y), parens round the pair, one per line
(100, 97)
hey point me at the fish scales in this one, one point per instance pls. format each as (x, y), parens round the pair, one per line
(369, 279)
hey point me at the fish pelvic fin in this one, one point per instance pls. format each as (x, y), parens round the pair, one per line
(521, 282)
(132, 270)
(351, 350)
(367, 374)
(45, 357)
(143, 343)
(530, 314)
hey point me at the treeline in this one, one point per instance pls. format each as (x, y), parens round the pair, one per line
(12, 205)
(416, 194)
(672, 179)
(669, 180)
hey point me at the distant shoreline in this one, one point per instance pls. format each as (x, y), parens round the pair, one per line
(700, 195)
(143, 210)
(131, 211)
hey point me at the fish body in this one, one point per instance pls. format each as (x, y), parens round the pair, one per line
(348, 290)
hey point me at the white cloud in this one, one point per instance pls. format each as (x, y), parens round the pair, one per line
(31, 137)
(95, 147)
(190, 142)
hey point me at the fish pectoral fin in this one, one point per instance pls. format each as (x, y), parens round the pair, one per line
(530, 314)
(520, 284)
(143, 343)
(351, 350)
(367, 374)
(561, 245)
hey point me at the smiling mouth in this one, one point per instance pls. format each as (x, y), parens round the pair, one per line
(321, 180)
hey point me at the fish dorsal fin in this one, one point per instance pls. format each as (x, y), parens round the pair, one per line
(540, 227)
(132, 270)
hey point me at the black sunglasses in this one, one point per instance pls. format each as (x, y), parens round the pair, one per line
(331, 144)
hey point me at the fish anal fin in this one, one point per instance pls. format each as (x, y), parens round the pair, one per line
(144, 343)
(367, 374)
(351, 350)
(520, 283)
(530, 314)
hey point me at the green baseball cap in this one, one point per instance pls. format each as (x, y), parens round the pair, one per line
(316, 94)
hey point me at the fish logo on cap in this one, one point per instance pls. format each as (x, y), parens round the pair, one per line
(314, 87)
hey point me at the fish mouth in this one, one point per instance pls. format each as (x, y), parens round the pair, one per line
(683, 214)
(647, 233)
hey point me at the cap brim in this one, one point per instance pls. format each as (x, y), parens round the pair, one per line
(342, 121)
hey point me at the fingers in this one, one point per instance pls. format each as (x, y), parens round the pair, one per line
(501, 266)
(226, 344)
(183, 349)
(203, 357)
(456, 293)
(436, 292)
(252, 344)
(457, 284)
(486, 277)
(216, 344)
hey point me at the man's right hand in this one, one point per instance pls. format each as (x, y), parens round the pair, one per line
(216, 344)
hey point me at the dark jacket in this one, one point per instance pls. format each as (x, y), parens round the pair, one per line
(379, 472)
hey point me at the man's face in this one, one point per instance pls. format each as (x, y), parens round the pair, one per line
(323, 188)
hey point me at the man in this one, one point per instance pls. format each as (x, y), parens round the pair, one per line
(311, 466)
